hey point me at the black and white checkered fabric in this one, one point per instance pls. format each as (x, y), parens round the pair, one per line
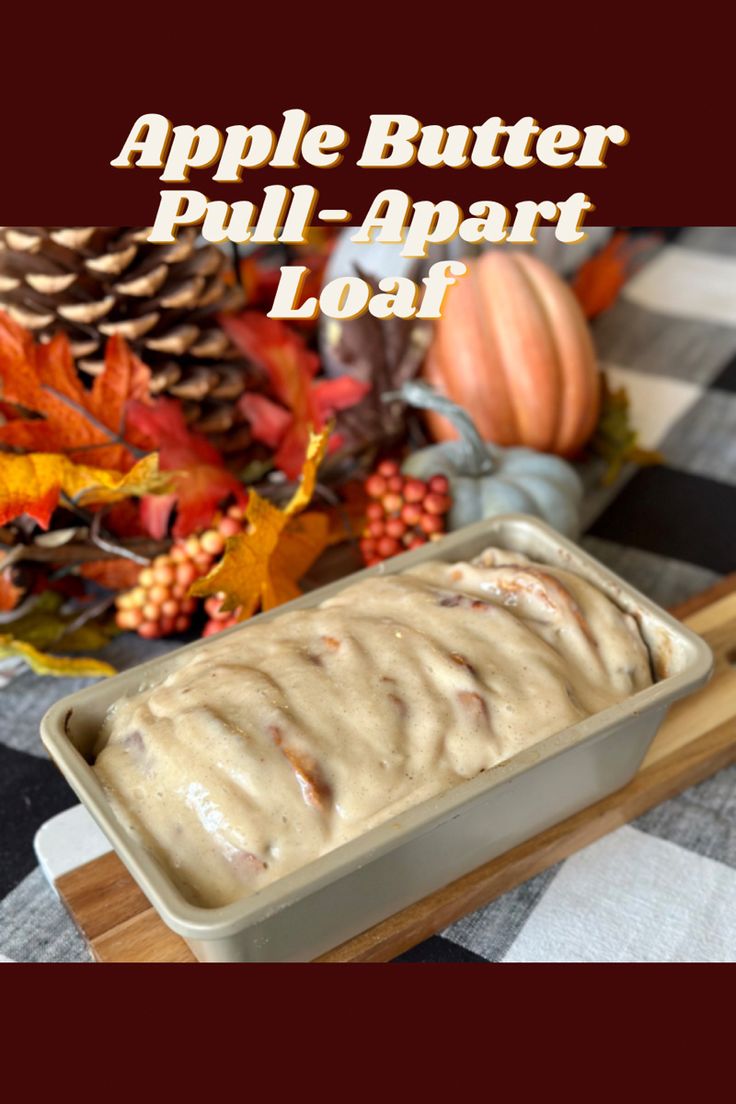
(660, 889)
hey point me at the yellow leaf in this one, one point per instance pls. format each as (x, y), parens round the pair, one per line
(144, 478)
(242, 572)
(31, 483)
(44, 664)
(302, 541)
(316, 449)
(262, 566)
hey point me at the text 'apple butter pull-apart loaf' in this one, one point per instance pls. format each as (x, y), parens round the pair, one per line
(287, 738)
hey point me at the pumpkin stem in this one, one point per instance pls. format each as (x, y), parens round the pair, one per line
(479, 458)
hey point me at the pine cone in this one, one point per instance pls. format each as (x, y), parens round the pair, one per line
(93, 281)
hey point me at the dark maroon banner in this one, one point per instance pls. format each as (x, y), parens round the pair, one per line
(379, 1032)
(57, 143)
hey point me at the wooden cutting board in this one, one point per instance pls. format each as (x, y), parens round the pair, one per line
(697, 738)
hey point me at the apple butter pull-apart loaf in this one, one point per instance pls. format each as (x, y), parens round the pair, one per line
(283, 740)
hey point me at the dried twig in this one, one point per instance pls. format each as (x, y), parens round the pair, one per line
(115, 548)
(25, 607)
(89, 613)
(84, 551)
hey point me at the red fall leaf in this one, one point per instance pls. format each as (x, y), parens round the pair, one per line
(10, 594)
(48, 409)
(291, 368)
(269, 421)
(124, 519)
(260, 272)
(117, 574)
(202, 480)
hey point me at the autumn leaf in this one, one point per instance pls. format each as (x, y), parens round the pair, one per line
(259, 281)
(123, 519)
(616, 440)
(317, 446)
(269, 421)
(48, 409)
(291, 368)
(262, 566)
(598, 282)
(260, 273)
(116, 574)
(53, 622)
(10, 594)
(44, 664)
(347, 517)
(199, 478)
(302, 542)
(50, 624)
(32, 484)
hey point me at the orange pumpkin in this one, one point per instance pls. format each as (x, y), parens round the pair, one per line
(513, 348)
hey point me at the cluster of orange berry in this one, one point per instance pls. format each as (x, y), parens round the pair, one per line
(159, 604)
(403, 513)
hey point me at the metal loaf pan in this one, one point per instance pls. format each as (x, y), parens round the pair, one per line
(335, 897)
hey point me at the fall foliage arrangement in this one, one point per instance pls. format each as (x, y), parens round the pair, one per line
(172, 460)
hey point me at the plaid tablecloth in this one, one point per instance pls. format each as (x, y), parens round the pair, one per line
(660, 889)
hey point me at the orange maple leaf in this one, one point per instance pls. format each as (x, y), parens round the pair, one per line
(262, 566)
(49, 409)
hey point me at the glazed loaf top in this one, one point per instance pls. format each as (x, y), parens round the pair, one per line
(285, 739)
